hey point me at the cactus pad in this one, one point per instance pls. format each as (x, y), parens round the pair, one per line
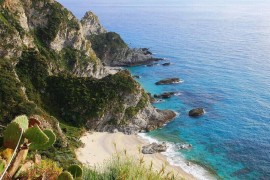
(2, 166)
(12, 135)
(36, 136)
(52, 139)
(51, 136)
(65, 176)
(75, 170)
(22, 121)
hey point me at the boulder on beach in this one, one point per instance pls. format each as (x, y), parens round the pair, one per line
(196, 112)
(168, 81)
(154, 148)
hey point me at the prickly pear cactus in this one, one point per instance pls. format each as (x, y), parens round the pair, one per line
(75, 170)
(22, 121)
(2, 166)
(52, 139)
(36, 136)
(12, 135)
(65, 176)
(51, 136)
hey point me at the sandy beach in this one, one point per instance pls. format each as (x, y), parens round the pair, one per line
(99, 147)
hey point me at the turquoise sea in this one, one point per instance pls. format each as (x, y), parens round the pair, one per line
(221, 49)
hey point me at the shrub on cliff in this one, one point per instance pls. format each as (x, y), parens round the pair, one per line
(107, 43)
(87, 98)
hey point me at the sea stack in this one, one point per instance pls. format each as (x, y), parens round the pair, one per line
(196, 112)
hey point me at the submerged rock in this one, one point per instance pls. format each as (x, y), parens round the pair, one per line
(166, 64)
(136, 76)
(154, 148)
(164, 95)
(169, 81)
(150, 65)
(196, 112)
(184, 146)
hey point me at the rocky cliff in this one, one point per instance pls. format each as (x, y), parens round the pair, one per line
(91, 25)
(50, 65)
(110, 47)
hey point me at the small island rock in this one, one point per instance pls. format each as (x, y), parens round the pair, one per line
(196, 112)
(168, 81)
(164, 95)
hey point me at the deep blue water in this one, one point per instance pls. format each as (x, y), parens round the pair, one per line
(222, 52)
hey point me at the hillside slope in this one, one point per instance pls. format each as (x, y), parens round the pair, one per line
(48, 67)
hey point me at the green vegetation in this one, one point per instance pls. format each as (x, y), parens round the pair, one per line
(17, 138)
(122, 166)
(75, 170)
(12, 100)
(57, 19)
(107, 43)
(41, 82)
(47, 167)
(65, 176)
(22, 135)
(32, 70)
(79, 99)
(10, 21)
(132, 111)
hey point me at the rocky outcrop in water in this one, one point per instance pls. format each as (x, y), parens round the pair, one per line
(169, 81)
(196, 112)
(164, 95)
(166, 64)
(113, 51)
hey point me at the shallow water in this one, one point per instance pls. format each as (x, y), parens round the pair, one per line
(222, 52)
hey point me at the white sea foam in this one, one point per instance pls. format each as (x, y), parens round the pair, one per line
(159, 101)
(177, 114)
(176, 159)
(178, 82)
(177, 94)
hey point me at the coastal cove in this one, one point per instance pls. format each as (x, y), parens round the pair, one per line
(206, 45)
(100, 146)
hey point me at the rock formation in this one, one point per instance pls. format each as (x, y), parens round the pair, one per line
(52, 64)
(154, 148)
(196, 112)
(110, 47)
(91, 25)
(169, 81)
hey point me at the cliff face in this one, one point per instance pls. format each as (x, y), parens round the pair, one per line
(49, 66)
(91, 25)
(110, 47)
(46, 24)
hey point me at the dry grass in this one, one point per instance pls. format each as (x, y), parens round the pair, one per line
(121, 166)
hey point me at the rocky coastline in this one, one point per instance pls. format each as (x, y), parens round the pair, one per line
(81, 55)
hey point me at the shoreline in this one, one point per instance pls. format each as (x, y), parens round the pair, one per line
(99, 147)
